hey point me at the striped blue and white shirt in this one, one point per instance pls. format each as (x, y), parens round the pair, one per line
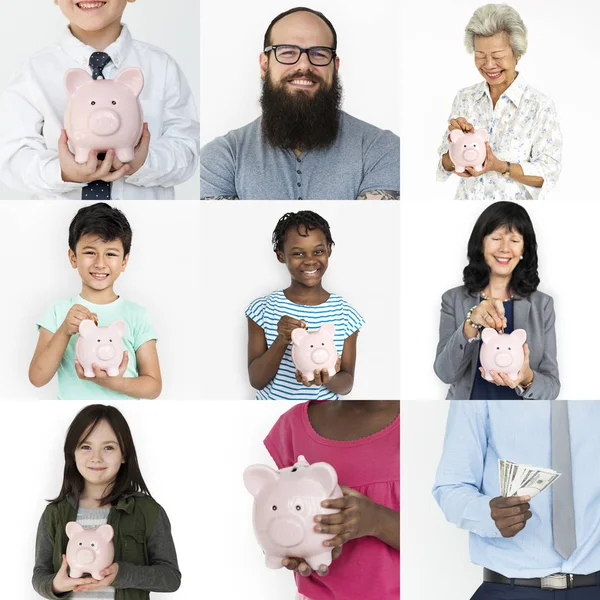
(267, 311)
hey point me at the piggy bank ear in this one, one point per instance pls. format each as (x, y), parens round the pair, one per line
(488, 334)
(73, 528)
(257, 476)
(119, 326)
(520, 335)
(482, 134)
(328, 328)
(106, 532)
(298, 334)
(455, 134)
(87, 327)
(75, 78)
(133, 78)
(325, 474)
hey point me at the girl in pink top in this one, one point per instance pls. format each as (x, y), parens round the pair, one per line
(361, 440)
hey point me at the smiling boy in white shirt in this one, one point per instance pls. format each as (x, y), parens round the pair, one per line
(34, 153)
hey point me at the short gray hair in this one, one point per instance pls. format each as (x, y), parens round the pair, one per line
(491, 19)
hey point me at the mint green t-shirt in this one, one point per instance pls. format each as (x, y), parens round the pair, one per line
(139, 331)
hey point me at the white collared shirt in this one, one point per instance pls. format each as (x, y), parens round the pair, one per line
(32, 110)
(522, 129)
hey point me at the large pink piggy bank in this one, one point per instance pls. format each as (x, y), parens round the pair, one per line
(89, 550)
(104, 113)
(468, 149)
(102, 346)
(502, 352)
(285, 504)
(314, 350)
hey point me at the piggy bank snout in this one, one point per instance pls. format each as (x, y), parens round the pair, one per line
(106, 352)
(286, 532)
(104, 121)
(503, 359)
(470, 154)
(320, 356)
(85, 556)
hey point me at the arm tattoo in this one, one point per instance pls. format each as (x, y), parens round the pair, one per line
(220, 198)
(380, 195)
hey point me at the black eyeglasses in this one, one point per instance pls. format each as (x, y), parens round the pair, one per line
(286, 54)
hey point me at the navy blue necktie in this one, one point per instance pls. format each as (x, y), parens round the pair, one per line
(97, 190)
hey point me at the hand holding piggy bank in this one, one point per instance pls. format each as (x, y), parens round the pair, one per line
(102, 346)
(104, 113)
(468, 149)
(314, 350)
(285, 504)
(89, 550)
(502, 352)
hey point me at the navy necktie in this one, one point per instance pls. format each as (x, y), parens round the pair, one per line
(97, 190)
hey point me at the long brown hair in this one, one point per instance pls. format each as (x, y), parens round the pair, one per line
(129, 478)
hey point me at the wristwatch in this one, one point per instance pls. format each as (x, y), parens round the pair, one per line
(507, 172)
(521, 389)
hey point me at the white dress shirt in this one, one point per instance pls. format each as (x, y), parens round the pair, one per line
(32, 111)
(522, 128)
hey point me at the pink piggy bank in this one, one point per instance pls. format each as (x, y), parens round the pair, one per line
(285, 504)
(502, 352)
(101, 346)
(89, 550)
(468, 149)
(104, 113)
(314, 350)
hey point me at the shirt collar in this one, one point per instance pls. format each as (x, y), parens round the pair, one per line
(80, 52)
(514, 92)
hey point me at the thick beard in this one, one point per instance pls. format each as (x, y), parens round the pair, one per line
(301, 121)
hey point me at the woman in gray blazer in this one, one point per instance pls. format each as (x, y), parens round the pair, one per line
(499, 291)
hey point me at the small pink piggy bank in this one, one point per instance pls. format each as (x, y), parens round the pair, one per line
(285, 504)
(89, 550)
(101, 346)
(502, 352)
(468, 149)
(314, 350)
(104, 113)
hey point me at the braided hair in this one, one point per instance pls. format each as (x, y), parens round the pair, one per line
(307, 219)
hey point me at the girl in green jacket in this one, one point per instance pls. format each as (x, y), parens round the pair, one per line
(102, 483)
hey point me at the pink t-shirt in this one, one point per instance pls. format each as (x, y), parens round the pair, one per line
(367, 567)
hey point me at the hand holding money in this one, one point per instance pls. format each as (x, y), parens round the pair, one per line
(523, 480)
(510, 514)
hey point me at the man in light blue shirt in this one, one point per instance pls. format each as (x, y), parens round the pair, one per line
(513, 538)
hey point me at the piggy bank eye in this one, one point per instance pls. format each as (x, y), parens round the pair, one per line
(114, 102)
(93, 545)
(81, 543)
(98, 341)
(110, 341)
(474, 145)
(298, 507)
(497, 347)
(274, 507)
(465, 146)
(509, 348)
(322, 343)
(93, 102)
(311, 345)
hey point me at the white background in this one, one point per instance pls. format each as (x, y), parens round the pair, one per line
(26, 27)
(231, 38)
(563, 44)
(434, 252)
(192, 469)
(163, 275)
(239, 265)
(429, 543)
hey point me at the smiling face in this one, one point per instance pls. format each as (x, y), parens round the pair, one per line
(502, 250)
(306, 256)
(98, 263)
(92, 15)
(98, 456)
(305, 30)
(495, 60)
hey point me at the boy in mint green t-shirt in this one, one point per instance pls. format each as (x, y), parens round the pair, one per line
(99, 245)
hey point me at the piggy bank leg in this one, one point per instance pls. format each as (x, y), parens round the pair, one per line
(314, 562)
(513, 376)
(310, 376)
(97, 576)
(81, 155)
(459, 169)
(75, 573)
(478, 167)
(113, 371)
(88, 371)
(331, 371)
(274, 562)
(124, 154)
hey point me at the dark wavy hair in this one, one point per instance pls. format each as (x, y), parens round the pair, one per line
(129, 478)
(303, 221)
(524, 279)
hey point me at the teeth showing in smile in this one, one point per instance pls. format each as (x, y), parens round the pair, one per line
(99, 275)
(310, 272)
(494, 75)
(305, 82)
(86, 5)
(503, 261)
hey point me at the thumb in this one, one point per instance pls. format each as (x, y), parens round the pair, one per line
(65, 564)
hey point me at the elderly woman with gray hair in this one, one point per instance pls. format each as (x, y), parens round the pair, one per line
(523, 150)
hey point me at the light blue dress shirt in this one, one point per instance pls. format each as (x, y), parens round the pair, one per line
(478, 433)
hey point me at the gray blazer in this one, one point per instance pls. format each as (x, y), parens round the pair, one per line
(456, 358)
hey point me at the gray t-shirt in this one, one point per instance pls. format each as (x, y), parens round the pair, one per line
(241, 164)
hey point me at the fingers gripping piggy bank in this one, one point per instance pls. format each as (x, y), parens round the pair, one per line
(314, 350)
(101, 346)
(104, 113)
(285, 504)
(89, 550)
(468, 149)
(502, 352)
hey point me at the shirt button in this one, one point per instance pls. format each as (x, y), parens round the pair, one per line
(299, 197)
(299, 159)
(299, 172)
(299, 184)
(461, 346)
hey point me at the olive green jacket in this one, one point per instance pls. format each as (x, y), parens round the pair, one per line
(144, 548)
